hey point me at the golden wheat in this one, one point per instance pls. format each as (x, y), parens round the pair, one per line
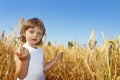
(78, 63)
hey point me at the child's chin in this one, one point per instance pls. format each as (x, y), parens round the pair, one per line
(34, 43)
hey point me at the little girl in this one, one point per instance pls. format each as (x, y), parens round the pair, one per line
(29, 58)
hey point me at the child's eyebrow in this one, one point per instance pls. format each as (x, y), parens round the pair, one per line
(31, 28)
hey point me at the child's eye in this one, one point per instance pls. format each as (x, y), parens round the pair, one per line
(31, 32)
(39, 33)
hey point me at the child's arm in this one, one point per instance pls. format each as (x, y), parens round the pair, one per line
(22, 60)
(52, 62)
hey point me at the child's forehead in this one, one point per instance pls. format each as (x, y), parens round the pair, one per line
(36, 28)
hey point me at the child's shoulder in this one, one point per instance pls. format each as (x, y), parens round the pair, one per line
(40, 48)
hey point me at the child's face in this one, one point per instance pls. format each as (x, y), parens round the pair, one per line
(33, 36)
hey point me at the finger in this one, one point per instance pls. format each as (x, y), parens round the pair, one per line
(26, 50)
(19, 51)
(62, 53)
(22, 48)
(59, 56)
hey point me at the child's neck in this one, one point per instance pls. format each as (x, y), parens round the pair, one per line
(31, 45)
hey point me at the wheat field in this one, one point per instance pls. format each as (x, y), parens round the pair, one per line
(90, 62)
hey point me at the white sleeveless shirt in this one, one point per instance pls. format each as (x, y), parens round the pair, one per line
(35, 67)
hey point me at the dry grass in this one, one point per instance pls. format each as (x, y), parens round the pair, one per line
(78, 63)
(7, 64)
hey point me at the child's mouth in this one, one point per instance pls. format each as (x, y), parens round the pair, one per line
(34, 39)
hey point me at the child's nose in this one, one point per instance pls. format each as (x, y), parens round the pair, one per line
(35, 34)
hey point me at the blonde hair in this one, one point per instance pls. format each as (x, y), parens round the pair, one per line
(31, 23)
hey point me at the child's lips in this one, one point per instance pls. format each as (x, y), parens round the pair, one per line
(34, 39)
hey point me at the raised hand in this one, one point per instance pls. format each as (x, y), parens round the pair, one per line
(59, 56)
(22, 53)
